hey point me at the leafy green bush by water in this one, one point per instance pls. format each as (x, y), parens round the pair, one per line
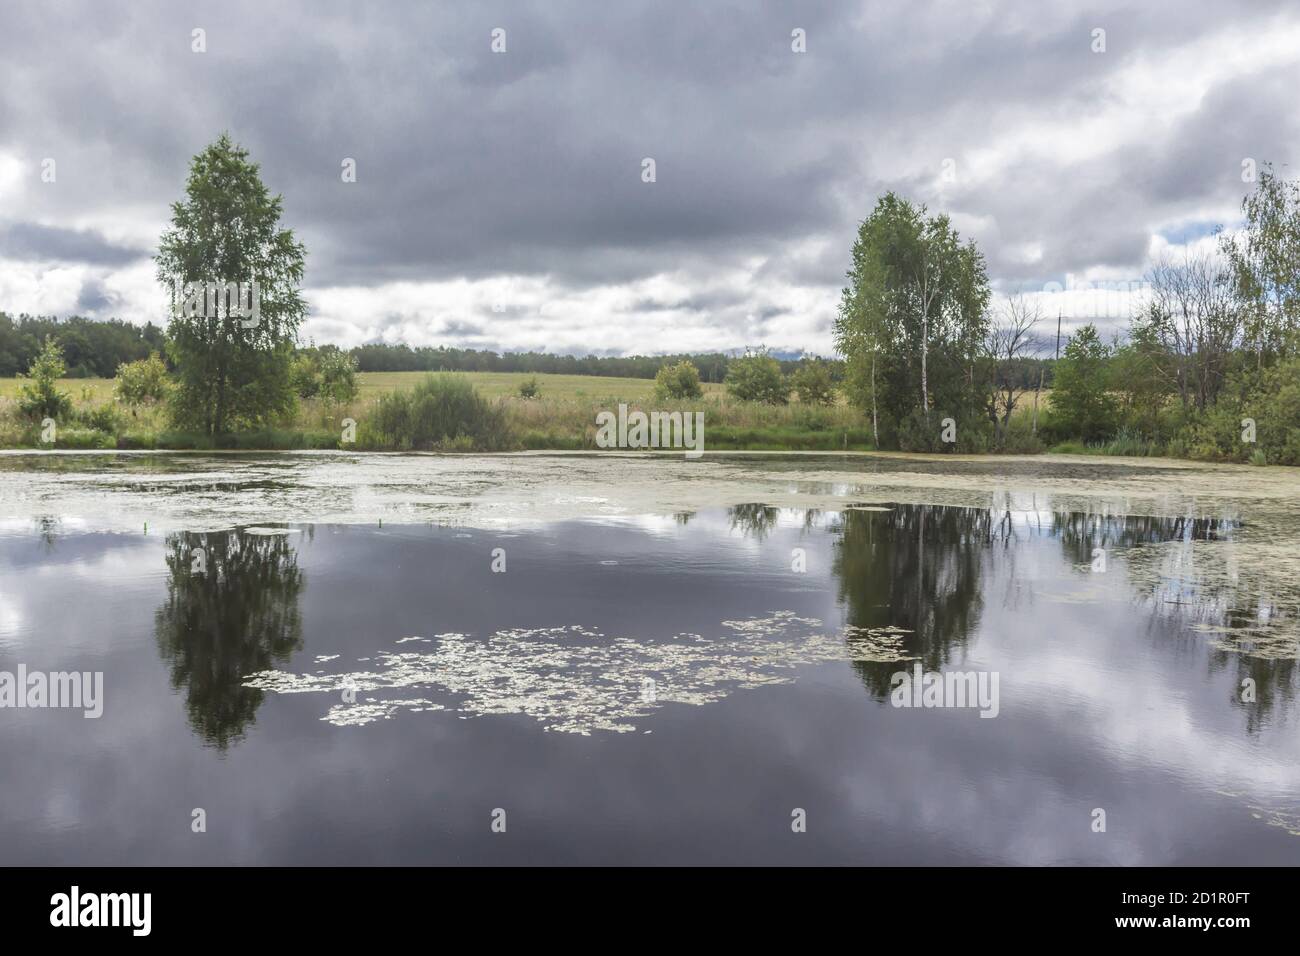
(757, 378)
(39, 397)
(443, 412)
(680, 381)
(142, 382)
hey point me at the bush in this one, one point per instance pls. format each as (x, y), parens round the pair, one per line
(973, 434)
(1270, 397)
(304, 376)
(678, 381)
(757, 378)
(812, 383)
(39, 397)
(442, 412)
(338, 376)
(142, 382)
(530, 388)
(1081, 405)
(105, 418)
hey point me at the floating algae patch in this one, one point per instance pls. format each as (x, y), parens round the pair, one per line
(579, 680)
(1275, 813)
(1243, 593)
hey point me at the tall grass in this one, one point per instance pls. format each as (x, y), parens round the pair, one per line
(1126, 443)
(570, 423)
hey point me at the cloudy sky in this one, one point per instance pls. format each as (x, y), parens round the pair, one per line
(499, 199)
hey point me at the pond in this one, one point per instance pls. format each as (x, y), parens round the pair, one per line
(576, 659)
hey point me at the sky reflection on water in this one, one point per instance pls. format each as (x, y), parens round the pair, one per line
(527, 690)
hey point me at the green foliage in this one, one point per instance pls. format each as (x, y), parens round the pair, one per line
(1142, 389)
(338, 376)
(39, 396)
(91, 348)
(912, 320)
(443, 412)
(530, 388)
(1082, 406)
(813, 383)
(231, 374)
(378, 357)
(1265, 264)
(142, 382)
(972, 432)
(680, 380)
(304, 375)
(104, 419)
(1271, 399)
(757, 378)
(81, 439)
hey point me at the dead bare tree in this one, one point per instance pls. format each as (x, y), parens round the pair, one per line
(1193, 318)
(1042, 371)
(1009, 339)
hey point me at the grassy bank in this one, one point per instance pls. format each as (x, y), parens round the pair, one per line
(483, 411)
(562, 417)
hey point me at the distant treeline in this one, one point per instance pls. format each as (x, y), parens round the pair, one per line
(91, 348)
(95, 348)
(403, 358)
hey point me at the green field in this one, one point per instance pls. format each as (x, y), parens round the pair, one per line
(496, 384)
(100, 389)
(562, 416)
(490, 384)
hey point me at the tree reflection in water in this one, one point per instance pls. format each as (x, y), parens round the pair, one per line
(916, 567)
(231, 613)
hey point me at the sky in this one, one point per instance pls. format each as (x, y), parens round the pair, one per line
(501, 198)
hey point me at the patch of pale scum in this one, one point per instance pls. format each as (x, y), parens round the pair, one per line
(1246, 590)
(355, 715)
(577, 680)
(1285, 816)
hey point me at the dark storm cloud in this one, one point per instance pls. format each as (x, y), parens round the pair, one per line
(474, 164)
(26, 240)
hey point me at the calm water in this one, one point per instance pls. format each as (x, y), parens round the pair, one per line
(653, 689)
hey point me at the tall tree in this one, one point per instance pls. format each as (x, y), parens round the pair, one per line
(1082, 406)
(912, 319)
(1007, 345)
(1264, 259)
(1193, 318)
(232, 363)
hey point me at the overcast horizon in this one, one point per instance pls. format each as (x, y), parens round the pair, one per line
(500, 200)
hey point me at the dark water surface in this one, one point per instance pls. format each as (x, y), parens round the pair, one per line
(641, 689)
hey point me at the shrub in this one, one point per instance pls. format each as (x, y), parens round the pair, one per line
(812, 383)
(142, 382)
(338, 376)
(104, 418)
(304, 376)
(973, 434)
(442, 412)
(1081, 405)
(757, 378)
(530, 388)
(39, 396)
(678, 381)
